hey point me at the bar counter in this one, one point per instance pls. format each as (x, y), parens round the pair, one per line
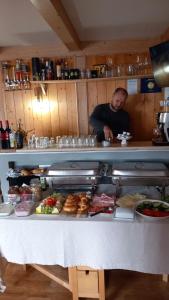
(131, 146)
(134, 151)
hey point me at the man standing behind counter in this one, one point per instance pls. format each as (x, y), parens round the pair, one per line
(110, 119)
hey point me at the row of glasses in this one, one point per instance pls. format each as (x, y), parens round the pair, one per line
(76, 141)
(35, 142)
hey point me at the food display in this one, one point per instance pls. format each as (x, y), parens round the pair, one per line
(153, 209)
(104, 200)
(13, 194)
(5, 209)
(24, 209)
(25, 193)
(36, 191)
(51, 205)
(76, 203)
(130, 201)
(102, 203)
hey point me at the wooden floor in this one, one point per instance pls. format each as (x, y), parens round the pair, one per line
(120, 285)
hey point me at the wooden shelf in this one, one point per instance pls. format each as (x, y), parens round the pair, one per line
(92, 79)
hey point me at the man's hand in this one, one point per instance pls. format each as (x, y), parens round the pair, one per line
(107, 133)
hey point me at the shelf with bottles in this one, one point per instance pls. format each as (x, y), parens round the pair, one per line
(20, 75)
(61, 71)
(11, 138)
(126, 77)
(16, 75)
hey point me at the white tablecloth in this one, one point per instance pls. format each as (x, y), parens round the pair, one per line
(95, 242)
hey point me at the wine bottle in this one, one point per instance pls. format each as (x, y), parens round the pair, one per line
(6, 135)
(12, 139)
(19, 137)
(2, 136)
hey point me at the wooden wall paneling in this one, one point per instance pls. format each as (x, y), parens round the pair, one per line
(2, 103)
(82, 103)
(92, 98)
(110, 88)
(62, 105)
(121, 83)
(90, 61)
(72, 110)
(54, 109)
(46, 117)
(148, 115)
(10, 108)
(101, 92)
(27, 103)
(37, 115)
(19, 107)
(134, 106)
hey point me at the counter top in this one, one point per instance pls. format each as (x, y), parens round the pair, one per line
(136, 146)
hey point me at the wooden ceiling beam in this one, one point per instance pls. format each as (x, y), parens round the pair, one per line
(165, 35)
(55, 15)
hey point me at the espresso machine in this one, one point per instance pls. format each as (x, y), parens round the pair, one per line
(161, 133)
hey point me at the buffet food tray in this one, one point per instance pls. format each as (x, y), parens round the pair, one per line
(74, 169)
(140, 169)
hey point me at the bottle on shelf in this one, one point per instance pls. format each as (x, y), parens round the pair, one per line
(7, 132)
(48, 69)
(35, 68)
(43, 71)
(2, 136)
(66, 71)
(5, 75)
(58, 70)
(12, 138)
(19, 136)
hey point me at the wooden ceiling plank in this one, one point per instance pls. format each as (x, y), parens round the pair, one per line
(55, 15)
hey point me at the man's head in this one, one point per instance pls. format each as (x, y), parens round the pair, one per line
(119, 98)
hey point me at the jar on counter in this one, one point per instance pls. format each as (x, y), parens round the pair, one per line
(13, 194)
(36, 191)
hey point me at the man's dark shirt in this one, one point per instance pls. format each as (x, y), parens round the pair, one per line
(117, 121)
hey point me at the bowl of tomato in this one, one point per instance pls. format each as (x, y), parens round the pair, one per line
(152, 209)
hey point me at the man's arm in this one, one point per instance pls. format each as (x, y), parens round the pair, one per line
(96, 118)
(98, 124)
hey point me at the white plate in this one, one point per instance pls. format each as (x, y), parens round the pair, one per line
(149, 217)
(127, 138)
(5, 209)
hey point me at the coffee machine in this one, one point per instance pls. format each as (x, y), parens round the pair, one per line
(161, 133)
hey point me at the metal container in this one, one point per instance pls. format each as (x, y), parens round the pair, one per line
(140, 174)
(74, 169)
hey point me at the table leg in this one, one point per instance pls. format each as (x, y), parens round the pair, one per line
(73, 282)
(101, 285)
(3, 265)
(165, 277)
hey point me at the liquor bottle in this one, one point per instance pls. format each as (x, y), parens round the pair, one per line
(35, 68)
(43, 71)
(6, 135)
(66, 71)
(12, 139)
(2, 136)
(48, 70)
(19, 136)
(58, 70)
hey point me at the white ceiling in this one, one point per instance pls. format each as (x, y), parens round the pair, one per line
(96, 20)
(118, 19)
(22, 25)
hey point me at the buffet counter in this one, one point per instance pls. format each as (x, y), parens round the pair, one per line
(98, 242)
